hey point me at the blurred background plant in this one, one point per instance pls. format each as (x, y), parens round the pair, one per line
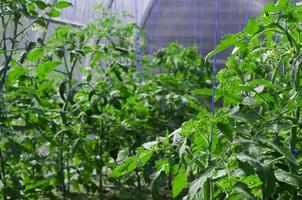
(74, 105)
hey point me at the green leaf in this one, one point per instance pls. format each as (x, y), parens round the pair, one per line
(42, 22)
(289, 178)
(179, 183)
(145, 157)
(14, 74)
(226, 42)
(62, 90)
(198, 183)
(280, 149)
(226, 129)
(203, 91)
(248, 116)
(263, 171)
(195, 160)
(54, 13)
(218, 93)
(63, 4)
(182, 150)
(156, 183)
(245, 190)
(282, 3)
(47, 67)
(252, 27)
(36, 184)
(40, 4)
(73, 91)
(128, 166)
(35, 54)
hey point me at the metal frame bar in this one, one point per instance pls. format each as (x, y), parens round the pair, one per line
(147, 13)
(110, 3)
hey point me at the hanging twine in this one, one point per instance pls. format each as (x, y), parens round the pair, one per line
(139, 53)
(247, 11)
(214, 79)
(201, 28)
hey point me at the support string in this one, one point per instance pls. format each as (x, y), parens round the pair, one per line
(201, 27)
(159, 24)
(138, 43)
(194, 20)
(214, 79)
(247, 11)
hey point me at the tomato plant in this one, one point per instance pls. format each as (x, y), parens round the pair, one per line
(73, 106)
(255, 149)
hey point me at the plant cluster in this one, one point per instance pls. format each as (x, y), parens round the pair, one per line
(250, 148)
(72, 105)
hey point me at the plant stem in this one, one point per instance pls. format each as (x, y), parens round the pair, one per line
(138, 179)
(63, 114)
(208, 190)
(100, 170)
(7, 60)
(292, 145)
(68, 176)
(62, 166)
(3, 174)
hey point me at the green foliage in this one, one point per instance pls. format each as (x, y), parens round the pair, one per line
(65, 125)
(62, 4)
(70, 130)
(255, 152)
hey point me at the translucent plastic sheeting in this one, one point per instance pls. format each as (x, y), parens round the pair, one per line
(193, 21)
(136, 8)
(189, 22)
(82, 12)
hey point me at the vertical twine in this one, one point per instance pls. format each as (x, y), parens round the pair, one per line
(247, 11)
(138, 47)
(201, 27)
(214, 79)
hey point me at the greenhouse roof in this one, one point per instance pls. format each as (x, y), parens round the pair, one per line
(187, 22)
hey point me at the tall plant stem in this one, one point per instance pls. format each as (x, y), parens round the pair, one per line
(208, 193)
(64, 120)
(61, 153)
(101, 163)
(2, 81)
(62, 166)
(7, 60)
(208, 190)
(68, 175)
(292, 145)
(138, 179)
(3, 175)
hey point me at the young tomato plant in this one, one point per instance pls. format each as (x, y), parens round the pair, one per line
(255, 149)
(21, 116)
(72, 103)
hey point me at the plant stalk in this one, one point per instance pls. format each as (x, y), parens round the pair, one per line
(3, 174)
(293, 142)
(100, 170)
(62, 166)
